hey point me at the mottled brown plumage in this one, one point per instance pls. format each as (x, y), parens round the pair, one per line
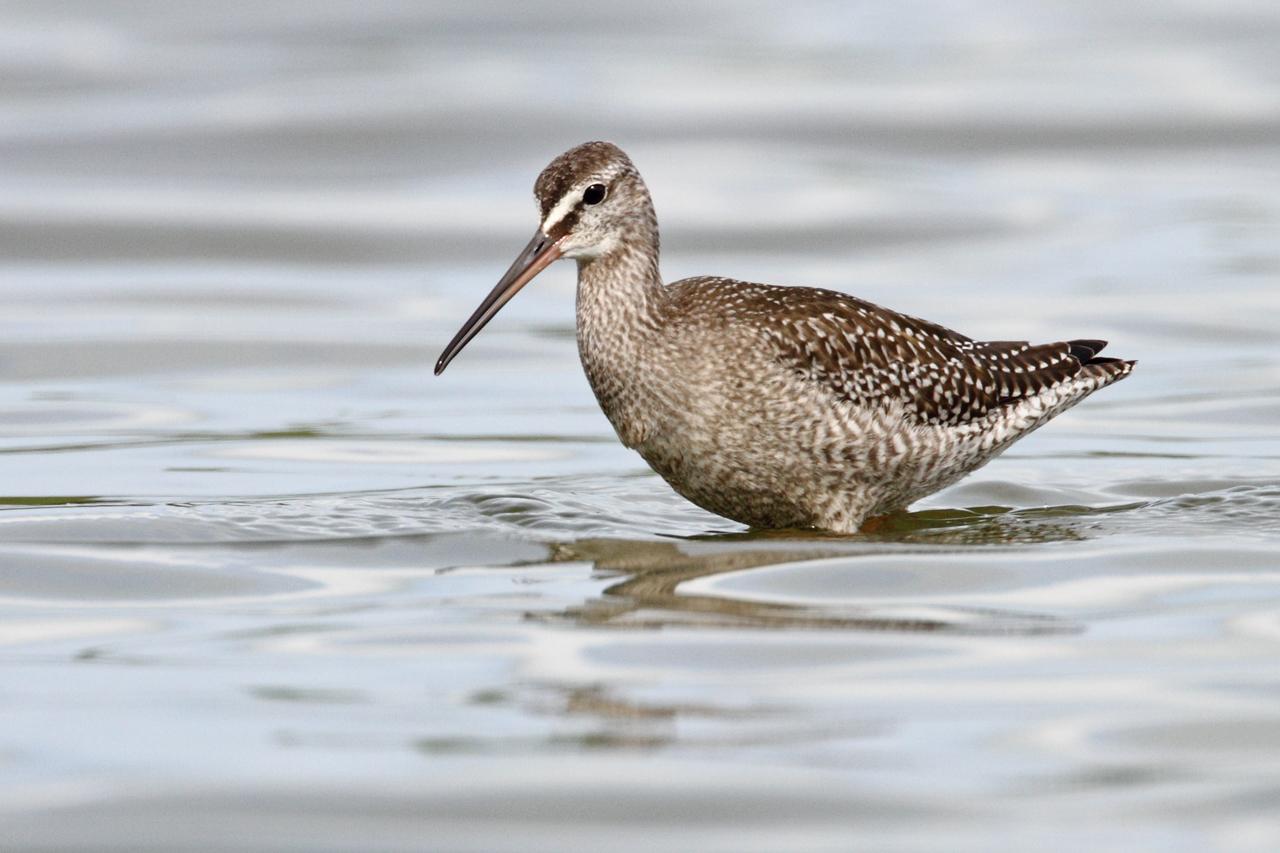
(777, 406)
(869, 355)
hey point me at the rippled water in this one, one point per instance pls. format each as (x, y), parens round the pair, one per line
(265, 583)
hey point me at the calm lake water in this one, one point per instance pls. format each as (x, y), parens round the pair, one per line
(267, 584)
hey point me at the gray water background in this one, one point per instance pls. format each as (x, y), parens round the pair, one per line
(266, 584)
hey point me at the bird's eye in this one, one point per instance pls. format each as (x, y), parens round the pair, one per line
(593, 194)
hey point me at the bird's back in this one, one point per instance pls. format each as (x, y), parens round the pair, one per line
(871, 356)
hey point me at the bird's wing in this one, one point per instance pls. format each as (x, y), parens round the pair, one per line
(872, 356)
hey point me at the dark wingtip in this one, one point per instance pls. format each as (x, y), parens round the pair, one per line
(1085, 350)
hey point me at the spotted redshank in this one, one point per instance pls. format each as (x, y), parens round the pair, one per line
(776, 406)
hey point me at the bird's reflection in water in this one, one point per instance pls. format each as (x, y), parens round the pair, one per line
(995, 525)
(648, 594)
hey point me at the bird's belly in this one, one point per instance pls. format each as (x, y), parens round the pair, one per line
(773, 451)
(801, 466)
(757, 480)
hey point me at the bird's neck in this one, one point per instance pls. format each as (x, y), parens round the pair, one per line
(620, 291)
(621, 304)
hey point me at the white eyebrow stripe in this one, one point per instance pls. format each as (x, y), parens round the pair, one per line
(561, 210)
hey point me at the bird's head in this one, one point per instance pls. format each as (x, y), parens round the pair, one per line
(592, 202)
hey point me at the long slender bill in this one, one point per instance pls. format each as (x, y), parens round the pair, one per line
(535, 257)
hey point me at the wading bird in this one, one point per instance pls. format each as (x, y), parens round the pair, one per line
(776, 406)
